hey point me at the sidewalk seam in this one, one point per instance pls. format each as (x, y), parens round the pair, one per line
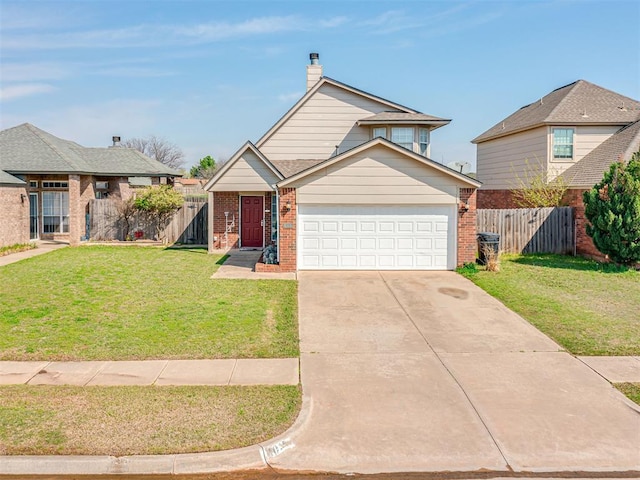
(233, 370)
(95, 374)
(166, 362)
(34, 375)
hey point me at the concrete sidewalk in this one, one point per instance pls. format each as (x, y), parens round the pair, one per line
(43, 246)
(240, 265)
(262, 371)
(615, 369)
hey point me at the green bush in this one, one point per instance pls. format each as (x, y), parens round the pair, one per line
(613, 210)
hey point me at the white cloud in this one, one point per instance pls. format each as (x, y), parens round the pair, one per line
(154, 35)
(29, 72)
(24, 90)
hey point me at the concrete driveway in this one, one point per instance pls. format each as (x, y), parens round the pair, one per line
(418, 371)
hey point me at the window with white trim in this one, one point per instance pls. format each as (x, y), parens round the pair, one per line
(402, 136)
(562, 143)
(423, 140)
(379, 132)
(55, 212)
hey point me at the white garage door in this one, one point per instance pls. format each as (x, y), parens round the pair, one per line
(389, 237)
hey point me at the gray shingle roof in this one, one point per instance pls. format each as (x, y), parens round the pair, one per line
(620, 146)
(6, 179)
(403, 117)
(288, 168)
(578, 103)
(27, 149)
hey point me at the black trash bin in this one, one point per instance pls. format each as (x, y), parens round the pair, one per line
(487, 242)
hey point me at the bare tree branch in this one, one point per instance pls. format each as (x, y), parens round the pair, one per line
(157, 148)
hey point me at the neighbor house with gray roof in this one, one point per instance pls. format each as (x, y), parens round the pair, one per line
(46, 183)
(575, 132)
(344, 181)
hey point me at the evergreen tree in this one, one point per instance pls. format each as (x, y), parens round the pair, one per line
(613, 210)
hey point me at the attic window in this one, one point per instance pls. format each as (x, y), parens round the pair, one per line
(563, 143)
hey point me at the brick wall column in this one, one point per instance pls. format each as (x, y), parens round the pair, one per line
(267, 218)
(287, 225)
(76, 213)
(584, 243)
(496, 199)
(225, 202)
(467, 242)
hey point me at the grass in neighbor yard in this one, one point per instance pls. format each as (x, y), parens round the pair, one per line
(67, 420)
(126, 303)
(631, 390)
(587, 307)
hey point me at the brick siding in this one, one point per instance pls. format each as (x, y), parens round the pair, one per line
(496, 199)
(467, 241)
(287, 230)
(14, 211)
(226, 202)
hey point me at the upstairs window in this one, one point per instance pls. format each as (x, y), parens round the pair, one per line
(379, 132)
(563, 143)
(424, 141)
(402, 136)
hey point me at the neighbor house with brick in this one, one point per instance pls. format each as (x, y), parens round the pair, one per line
(344, 181)
(46, 183)
(575, 132)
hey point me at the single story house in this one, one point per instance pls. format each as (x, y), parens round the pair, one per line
(46, 183)
(344, 181)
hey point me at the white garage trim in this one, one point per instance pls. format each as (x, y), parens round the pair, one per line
(376, 237)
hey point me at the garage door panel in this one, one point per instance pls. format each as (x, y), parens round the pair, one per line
(372, 237)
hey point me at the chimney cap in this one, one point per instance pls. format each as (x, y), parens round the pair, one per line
(314, 57)
(116, 141)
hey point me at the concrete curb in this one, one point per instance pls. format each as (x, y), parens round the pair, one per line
(255, 457)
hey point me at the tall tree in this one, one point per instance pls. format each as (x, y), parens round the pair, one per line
(613, 210)
(157, 148)
(205, 168)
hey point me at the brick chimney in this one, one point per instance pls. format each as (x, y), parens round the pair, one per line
(314, 70)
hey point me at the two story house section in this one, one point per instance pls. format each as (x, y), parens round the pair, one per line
(548, 137)
(343, 181)
(576, 132)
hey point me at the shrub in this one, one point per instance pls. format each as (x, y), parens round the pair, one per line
(612, 208)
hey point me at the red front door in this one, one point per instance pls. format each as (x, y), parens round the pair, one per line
(252, 211)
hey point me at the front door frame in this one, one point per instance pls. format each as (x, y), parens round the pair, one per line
(262, 221)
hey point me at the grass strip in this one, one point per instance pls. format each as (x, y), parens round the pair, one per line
(67, 420)
(587, 307)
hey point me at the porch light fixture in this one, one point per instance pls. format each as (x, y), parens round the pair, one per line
(23, 197)
(464, 207)
(287, 206)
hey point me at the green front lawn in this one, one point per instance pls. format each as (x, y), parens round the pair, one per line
(587, 307)
(65, 420)
(631, 390)
(117, 303)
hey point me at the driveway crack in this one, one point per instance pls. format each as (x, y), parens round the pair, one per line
(482, 420)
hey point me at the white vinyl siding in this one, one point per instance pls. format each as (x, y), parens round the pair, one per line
(248, 173)
(501, 161)
(328, 118)
(376, 237)
(377, 175)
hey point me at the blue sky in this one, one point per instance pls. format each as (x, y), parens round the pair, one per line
(209, 75)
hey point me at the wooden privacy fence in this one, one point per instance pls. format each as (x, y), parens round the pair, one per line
(530, 230)
(188, 225)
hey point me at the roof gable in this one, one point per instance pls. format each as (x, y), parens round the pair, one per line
(247, 147)
(578, 103)
(386, 144)
(329, 81)
(6, 179)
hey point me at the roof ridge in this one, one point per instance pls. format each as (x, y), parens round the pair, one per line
(564, 97)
